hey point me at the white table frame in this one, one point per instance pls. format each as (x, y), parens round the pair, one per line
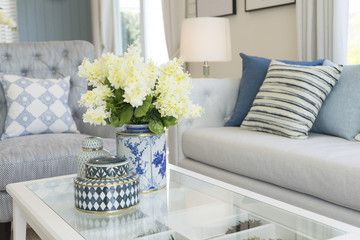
(29, 209)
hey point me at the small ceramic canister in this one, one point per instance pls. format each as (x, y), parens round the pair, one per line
(105, 196)
(106, 168)
(92, 148)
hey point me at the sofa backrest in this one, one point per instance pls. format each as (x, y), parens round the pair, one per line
(46, 60)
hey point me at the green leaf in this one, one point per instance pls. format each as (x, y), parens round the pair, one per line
(119, 96)
(152, 106)
(169, 121)
(114, 121)
(110, 106)
(126, 113)
(143, 109)
(156, 125)
(107, 82)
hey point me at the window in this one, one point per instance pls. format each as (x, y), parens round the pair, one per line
(154, 36)
(127, 25)
(354, 32)
(140, 23)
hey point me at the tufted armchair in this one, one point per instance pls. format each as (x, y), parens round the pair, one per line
(44, 155)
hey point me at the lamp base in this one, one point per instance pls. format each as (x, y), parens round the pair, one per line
(206, 70)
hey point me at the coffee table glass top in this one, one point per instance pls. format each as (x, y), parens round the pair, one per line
(188, 208)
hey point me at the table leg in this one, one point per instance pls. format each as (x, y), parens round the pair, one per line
(19, 224)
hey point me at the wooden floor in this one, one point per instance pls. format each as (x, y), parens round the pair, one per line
(31, 235)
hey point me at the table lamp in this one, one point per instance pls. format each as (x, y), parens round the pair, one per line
(205, 39)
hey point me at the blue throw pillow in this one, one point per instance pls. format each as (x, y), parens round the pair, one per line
(340, 114)
(36, 106)
(253, 75)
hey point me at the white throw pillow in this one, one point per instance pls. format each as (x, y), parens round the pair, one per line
(290, 98)
(36, 106)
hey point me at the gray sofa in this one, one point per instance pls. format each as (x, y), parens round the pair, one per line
(320, 174)
(45, 155)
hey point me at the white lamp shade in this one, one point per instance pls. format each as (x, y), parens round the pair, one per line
(205, 39)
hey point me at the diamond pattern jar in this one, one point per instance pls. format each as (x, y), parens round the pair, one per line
(92, 147)
(107, 195)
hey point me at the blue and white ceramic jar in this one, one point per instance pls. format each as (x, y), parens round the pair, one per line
(146, 153)
(107, 168)
(106, 195)
(92, 147)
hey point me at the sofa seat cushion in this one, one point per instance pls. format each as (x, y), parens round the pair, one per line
(6, 207)
(41, 156)
(322, 166)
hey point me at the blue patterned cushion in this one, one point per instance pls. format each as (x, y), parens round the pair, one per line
(290, 98)
(36, 106)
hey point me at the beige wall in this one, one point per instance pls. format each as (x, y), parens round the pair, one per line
(267, 33)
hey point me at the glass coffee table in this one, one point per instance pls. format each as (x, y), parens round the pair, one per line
(192, 206)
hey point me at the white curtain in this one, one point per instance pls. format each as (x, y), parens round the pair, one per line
(102, 18)
(322, 27)
(174, 11)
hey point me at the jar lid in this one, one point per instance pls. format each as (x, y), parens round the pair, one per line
(92, 143)
(105, 167)
(107, 161)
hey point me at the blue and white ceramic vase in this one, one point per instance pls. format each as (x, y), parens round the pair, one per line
(146, 153)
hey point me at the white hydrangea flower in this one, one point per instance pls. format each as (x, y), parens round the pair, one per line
(95, 97)
(117, 76)
(132, 56)
(110, 59)
(96, 116)
(168, 84)
(135, 94)
(135, 77)
(173, 91)
(94, 72)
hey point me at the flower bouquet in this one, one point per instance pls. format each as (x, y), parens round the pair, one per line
(6, 20)
(128, 90)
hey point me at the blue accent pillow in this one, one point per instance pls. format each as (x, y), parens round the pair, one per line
(253, 75)
(36, 106)
(340, 114)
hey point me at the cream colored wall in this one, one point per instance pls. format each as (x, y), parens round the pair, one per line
(268, 33)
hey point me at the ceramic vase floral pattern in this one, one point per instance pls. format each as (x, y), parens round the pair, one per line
(146, 153)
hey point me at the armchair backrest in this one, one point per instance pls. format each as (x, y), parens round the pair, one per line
(46, 60)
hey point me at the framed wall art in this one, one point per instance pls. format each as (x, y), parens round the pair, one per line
(252, 5)
(215, 8)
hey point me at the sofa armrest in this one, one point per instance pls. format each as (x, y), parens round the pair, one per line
(218, 98)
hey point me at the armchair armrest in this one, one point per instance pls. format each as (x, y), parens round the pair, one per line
(218, 98)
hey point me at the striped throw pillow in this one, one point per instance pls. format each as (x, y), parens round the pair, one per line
(290, 98)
